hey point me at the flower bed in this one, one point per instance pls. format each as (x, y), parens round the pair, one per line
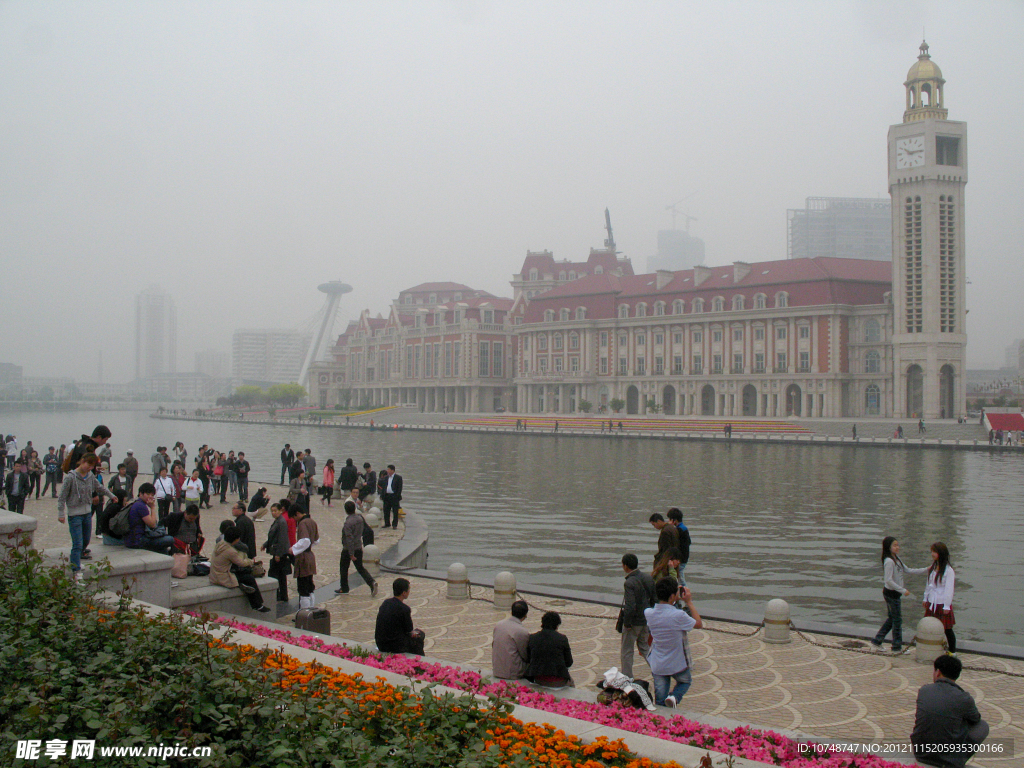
(763, 746)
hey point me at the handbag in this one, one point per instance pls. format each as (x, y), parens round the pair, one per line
(156, 533)
(619, 622)
(180, 568)
(257, 569)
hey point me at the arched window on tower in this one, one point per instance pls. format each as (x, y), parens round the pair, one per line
(533, 274)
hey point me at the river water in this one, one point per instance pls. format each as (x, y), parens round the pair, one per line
(800, 522)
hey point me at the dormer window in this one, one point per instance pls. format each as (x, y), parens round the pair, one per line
(549, 315)
(760, 301)
(641, 310)
(433, 298)
(563, 315)
(623, 311)
(678, 306)
(533, 274)
(458, 296)
(718, 305)
(659, 308)
(572, 275)
(598, 270)
(561, 277)
(581, 313)
(737, 302)
(781, 299)
(698, 306)
(488, 315)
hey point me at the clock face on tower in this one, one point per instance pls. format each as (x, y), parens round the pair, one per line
(910, 152)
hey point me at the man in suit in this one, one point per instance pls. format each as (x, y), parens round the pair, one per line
(287, 457)
(246, 530)
(391, 496)
(946, 716)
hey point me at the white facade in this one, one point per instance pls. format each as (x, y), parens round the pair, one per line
(268, 355)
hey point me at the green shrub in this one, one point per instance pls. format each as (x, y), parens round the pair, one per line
(126, 678)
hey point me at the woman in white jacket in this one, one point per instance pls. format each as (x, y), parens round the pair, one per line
(193, 488)
(938, 594)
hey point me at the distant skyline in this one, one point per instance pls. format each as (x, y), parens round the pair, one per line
(239, 154)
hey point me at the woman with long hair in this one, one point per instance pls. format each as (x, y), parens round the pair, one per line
(893, 591)
(938, 594)
(327, 489)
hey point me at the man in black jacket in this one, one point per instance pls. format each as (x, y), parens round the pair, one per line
(246, 530)
(287, 457)
(347, 477)
(947, 722)
(391, 496)
(184, 526)
(17, 487)
(394, 632)
(638, 595)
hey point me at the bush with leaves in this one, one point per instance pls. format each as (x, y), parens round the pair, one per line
(73, 667)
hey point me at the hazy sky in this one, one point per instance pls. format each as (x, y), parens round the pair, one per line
(239, 153)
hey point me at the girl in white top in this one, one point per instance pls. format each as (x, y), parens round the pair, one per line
(893, 591)
(165, 492)
(193, 488)
(938, 594)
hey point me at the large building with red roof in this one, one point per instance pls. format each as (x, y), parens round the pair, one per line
(813, 337)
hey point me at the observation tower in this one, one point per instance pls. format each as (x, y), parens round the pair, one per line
(334, 290)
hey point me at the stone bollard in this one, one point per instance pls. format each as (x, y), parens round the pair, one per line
(930, 639)
(372, 519)
(776, 622)
(458, 582)
(377, 503)
(371, 559)
(504, 591)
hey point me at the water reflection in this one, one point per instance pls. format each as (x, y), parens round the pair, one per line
(794, 521)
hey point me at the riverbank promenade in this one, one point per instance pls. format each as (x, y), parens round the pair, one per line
(818, 686)
(876, 433)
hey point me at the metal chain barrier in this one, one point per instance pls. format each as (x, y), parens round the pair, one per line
(737, 633)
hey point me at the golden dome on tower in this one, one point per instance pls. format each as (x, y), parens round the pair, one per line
(924, 89)
(924, 68)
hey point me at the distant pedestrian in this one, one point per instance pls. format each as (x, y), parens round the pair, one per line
(327, 488)
(920, 426)
(287, 457)
(854, 431)
(392, 496)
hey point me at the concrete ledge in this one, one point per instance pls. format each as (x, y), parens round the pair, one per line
(411, 549)
(13, 528)
(148, 573)
(197, 593)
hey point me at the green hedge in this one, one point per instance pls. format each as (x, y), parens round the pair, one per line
(125, 678)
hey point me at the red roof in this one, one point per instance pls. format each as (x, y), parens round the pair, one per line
(819, 280)
(1005, 421)
(544, 262)
(427, 287)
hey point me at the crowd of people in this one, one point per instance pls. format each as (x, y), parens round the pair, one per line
(657, 612)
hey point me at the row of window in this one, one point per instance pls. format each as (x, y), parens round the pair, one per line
(534, 274)
(697, 305)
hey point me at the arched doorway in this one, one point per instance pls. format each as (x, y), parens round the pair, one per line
(707, 400)
(794, 400)
(915, 391)
(946, 391)
(750, 400)
(668, 400)
(632, 400)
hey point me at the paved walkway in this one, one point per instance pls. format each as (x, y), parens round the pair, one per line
(825, 691)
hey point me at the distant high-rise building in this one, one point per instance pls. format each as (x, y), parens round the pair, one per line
(268, 355)
(677, 250)
(213, 363)
(841, 227)
(156, 333)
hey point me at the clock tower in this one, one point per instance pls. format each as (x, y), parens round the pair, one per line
(927, 176)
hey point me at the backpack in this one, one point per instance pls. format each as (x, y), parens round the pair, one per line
(119, 525)
(196, 568)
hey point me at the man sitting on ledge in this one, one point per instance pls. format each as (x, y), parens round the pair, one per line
(394, 632)
(946, 718)
(509, 644)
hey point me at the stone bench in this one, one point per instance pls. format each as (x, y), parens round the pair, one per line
(148, 573)
(196, 593)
